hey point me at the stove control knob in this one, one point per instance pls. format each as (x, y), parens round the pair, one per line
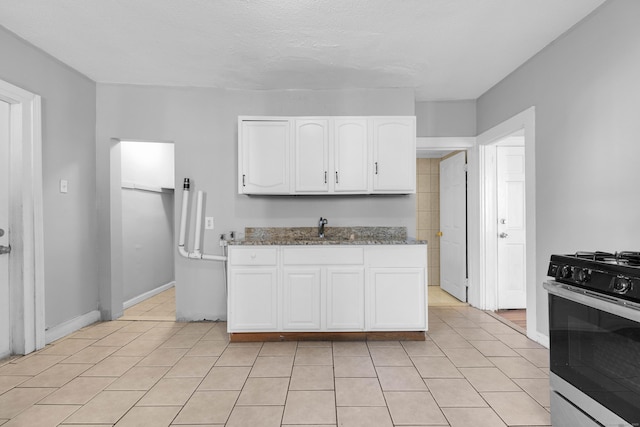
(581, 275)
(621, 285)
(565, 272)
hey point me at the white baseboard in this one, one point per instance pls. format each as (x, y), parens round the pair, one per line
(65, 328)
(147, 295)
(543, 340)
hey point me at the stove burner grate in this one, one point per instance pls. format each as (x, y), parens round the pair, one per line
(631, 258)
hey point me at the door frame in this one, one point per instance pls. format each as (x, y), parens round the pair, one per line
(26, 222)
(483, 214)
(442, 145)
(111, 292)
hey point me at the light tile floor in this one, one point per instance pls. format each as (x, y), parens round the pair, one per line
(159, 307)
(472, 370)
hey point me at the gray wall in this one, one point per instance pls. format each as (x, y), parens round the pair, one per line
(147, 230)
(203, 125)
(446, 118)
(68, 152)
(147, 216)
(586, 91)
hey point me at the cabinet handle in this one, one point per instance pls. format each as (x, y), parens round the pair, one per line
(243, 176)
(337, 181)
(376, 168)
(325, 177)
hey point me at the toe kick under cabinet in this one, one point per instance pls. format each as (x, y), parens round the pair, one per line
(327, 288)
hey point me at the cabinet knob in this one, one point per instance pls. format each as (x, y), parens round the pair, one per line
(253, 256)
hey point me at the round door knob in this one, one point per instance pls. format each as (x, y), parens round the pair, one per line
(503, 235)
(439, 234)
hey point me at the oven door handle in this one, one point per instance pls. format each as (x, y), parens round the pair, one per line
(612, 305)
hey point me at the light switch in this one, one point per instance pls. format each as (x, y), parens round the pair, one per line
(208, 223)
(64, 186)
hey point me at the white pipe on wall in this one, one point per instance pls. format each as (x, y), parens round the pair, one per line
(196, 254)
(196, 244)
(183, 219)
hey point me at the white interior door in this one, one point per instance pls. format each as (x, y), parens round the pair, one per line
(5, 319)
(453, 226)
(512, 292)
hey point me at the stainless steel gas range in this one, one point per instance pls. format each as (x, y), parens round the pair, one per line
(594, 334)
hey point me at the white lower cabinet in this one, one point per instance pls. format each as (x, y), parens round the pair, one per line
(301, 299)
(397, 299)
(327, 288)
(252, 304)
(345, 299)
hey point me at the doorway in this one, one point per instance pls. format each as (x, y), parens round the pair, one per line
(431, 151)
(147, 199)
(5, 307)
(22, 283)
(486, 227)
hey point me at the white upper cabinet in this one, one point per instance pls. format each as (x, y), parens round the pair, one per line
(327, 155)
(263, 156)
(394, 155)
(350, 155)
(311, 156)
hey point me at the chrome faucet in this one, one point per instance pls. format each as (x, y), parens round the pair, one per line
(321, 224)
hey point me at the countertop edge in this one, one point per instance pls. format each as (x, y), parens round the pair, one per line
(325, 242)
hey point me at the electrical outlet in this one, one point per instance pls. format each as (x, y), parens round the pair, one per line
(208, 223)
(64, 186)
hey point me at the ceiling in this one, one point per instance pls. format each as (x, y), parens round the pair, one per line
(442, 49)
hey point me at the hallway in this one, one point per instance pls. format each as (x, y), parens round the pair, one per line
(160, 307)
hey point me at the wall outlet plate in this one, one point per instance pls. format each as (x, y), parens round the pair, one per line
(64, 186)
(208, 223)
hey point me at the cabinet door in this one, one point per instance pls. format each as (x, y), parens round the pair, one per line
(350, 155)
(394, 155)
(264, 157)
(397, 299)
(311, 159)
(302, 299)
(253, 299)
(345, 299)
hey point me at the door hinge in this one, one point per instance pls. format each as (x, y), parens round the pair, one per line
(466, 167)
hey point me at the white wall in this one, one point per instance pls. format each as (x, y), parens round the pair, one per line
(586, 91)
(68, 152)
(147, 163)
(203, 125)
(147, 216)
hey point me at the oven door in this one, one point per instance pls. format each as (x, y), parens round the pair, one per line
(595, 353)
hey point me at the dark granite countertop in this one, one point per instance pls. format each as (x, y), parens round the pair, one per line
(305, 236)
